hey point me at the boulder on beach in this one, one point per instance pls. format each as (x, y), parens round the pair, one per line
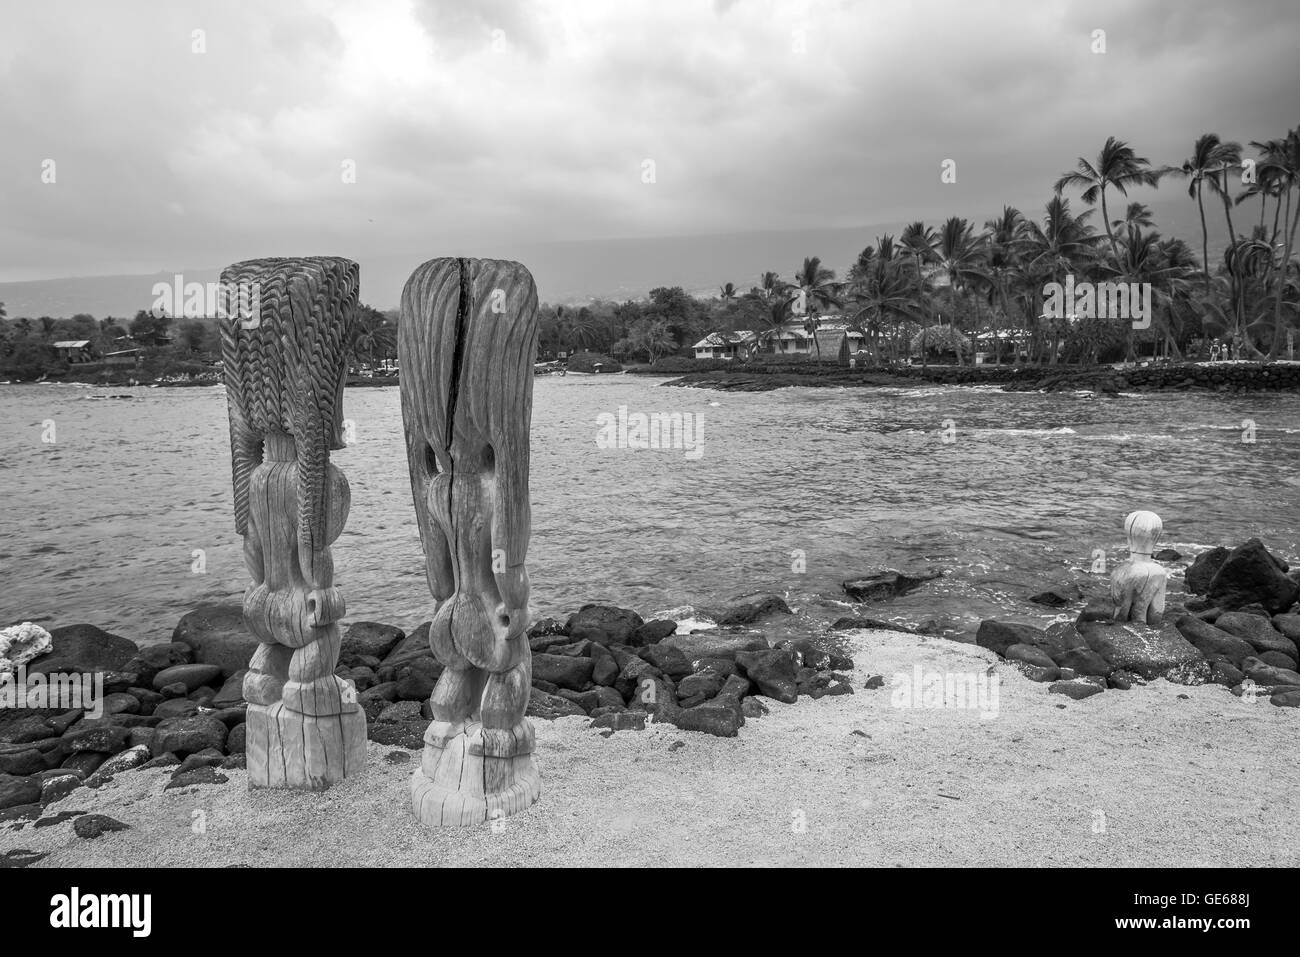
(997, 636)
(1058, 596)
(858, 621)
(720, 719)
(152, 659)
(408, 649)
(1084, 661)
(671, 661)
(745, 609)
(563, 670)
(1210, 640)
(886, 584)
(716, 644)
(551, 706)
(217, 633)
(184, 736)
(1250, 573)
(1277, 659)
(106, 739)
(1078, 688)
(772, 671)
(606, 624)
(1257, 630)
(1147, 652)
(231, 692)
(191, 676)
(84, 648)
(1264, 674)
(16, 791)
(20, 643)
(368, 639)
(1203, 568)
(90, 826)
(545, 626)
(605, 668)
(127, 760)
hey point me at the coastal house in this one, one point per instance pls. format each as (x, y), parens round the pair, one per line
(725, 345)
(75, 350)
(124, 357)
(831, 332)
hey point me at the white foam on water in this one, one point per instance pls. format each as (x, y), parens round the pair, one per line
(686, 617)
(1062, 430)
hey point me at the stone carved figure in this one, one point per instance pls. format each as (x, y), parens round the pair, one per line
(1137, 586)
(466, 346)
(285, 363)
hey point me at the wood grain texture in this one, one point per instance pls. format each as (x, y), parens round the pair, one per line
(1138, 585)
(466, 346)
(285, 361)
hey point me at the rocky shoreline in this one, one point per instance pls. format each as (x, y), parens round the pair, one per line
(180, 705)
(1242, 633)
(1195, 377)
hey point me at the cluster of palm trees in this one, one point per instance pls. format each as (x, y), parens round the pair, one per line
(374, 338)
(919, 292)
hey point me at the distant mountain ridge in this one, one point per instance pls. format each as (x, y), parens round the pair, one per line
(619, 269)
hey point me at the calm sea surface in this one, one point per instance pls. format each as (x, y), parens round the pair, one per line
(795, 490)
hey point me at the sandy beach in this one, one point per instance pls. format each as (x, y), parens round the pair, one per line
(1158, 776)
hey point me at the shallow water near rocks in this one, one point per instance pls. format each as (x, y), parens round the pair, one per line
(126, 521)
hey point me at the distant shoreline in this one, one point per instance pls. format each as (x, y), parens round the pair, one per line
(1184, 377)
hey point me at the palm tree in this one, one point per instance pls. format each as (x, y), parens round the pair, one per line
(1179, 265)
(1286, 161)
(1272, 171)
(960, 257)
(778, 313)
(918, 241)
(1142, 261)
(1004, 237)
(1209, 154)
(817, 287)
(1064, 244)
(3, 314)
(1116, 166)
(885, 294)
(728, 292)
(1137, 214)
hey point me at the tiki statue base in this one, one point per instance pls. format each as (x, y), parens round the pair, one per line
(457, 784)
(288, 749)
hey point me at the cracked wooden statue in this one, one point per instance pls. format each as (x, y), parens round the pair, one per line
(466, 347)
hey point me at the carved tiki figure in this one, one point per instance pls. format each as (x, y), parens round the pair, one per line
(285, 359)
(466, 346)
(1137, 586)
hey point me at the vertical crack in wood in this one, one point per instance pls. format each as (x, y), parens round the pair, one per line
(463, 306)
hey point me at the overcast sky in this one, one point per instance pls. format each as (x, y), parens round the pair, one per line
(469, 122)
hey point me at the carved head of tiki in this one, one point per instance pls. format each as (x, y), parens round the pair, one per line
(286, 330)
(466, 346)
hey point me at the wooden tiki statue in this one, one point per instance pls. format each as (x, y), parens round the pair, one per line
(284, 348)
(1137, 586)
(466, 345)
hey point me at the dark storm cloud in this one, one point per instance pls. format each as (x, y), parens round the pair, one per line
(531, 121)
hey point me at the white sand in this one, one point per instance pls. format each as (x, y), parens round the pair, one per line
(1210, 780)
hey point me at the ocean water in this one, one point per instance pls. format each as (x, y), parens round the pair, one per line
(125, 519)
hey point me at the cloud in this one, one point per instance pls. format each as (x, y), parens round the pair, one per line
(530, 121)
